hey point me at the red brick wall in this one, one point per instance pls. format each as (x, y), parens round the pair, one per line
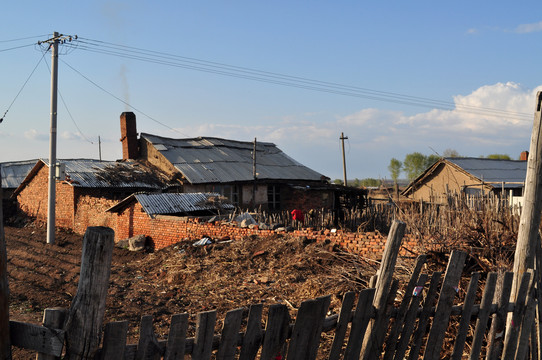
(33, 199)
(90, 210)
(168, 230)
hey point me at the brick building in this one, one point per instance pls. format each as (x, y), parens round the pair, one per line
(249, 174)
(90, 188)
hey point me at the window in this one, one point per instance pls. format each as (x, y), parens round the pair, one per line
(273, 197)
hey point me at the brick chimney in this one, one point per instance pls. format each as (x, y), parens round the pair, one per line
(524, 156)
(128, 136)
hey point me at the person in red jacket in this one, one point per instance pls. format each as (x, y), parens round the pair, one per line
(298, 217)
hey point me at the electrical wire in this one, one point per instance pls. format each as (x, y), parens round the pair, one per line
(24, 38)
(16, 47)
(162, 58)
(119, 99)
(26, 81)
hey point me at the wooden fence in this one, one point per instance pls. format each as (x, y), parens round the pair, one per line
(435, 318)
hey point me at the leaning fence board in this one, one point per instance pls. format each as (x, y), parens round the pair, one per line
(410, 318)
(37, 338)
(203, 342)
(395, 331)
(483, 316)
(528, 320)
(114, 342)
(342, 325)
(495, 337)
(512, 332)
(466, 314)
(424, 316)
(307, 329)
(362, 315)
(230, 333)
(444, 305)
(253, 335)
(176, 341)
(276, 332)
(385, 275)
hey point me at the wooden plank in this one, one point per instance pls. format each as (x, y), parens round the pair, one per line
(5, 343)
(254, 333)
(114, 341)
(527, 326)
(430, 299)
(36, 338)
(444, 305)
(84, 324)
(495, 337)
(276, 332)
(466, 313)
(483, 315)
(362, 315)
(397, 326)
(53, 318)
(376, 348)
(147, 347)
(342, 325)
(529, 222)
(385, 275)
(410, 318)
(176, 340)
(230, 334)
(513, 328)
(203, 342)
(308, 328)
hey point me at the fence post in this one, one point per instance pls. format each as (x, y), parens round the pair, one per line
(5, 344)
(52, 318)
(371, 342)
(84, 324)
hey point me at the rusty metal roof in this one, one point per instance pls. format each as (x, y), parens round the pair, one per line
(175, 203)
(14, 172)
(214, 160)
(91, 173)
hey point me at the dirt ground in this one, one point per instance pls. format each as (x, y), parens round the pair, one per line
(182, 278)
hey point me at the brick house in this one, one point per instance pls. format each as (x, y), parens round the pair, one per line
(90, 188)
(13, 174)
(249, 174)
(164, 218)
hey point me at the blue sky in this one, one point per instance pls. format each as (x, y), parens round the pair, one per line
(471, 70)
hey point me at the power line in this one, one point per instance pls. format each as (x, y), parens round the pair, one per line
(122, 101)
(16, 47)
(24, 38)
(162, 58)
(26, 81)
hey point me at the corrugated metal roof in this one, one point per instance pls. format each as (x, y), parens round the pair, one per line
(14, 172)
(176, 203)
(493, 170)
(91, 173)
(212, 160)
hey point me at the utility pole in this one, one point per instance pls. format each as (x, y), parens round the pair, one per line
(100, 147)
(342, 138)
(53, 43)
(254, 173)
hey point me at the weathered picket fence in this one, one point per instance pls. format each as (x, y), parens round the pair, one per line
(376, 327)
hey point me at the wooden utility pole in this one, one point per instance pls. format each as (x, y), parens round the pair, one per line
(254, 174)
(5, 344)
(342, 138)
(532, 205)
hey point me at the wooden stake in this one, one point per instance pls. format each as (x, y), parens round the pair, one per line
(84, 323)
(532, 204)
(5, 345)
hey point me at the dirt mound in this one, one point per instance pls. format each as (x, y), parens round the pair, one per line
(224, 275)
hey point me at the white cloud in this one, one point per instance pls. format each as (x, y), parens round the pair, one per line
(33, 134)
(528, 28)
